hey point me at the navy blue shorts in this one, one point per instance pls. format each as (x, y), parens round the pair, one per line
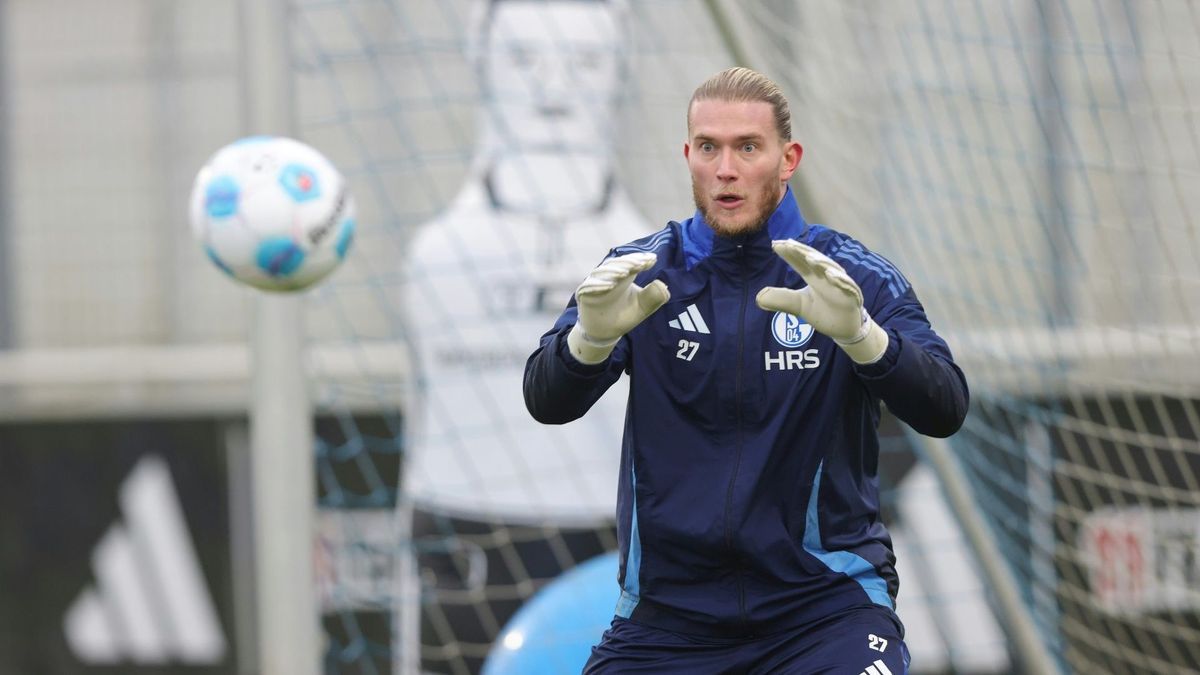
(862, 641)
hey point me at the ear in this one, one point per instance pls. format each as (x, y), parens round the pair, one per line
(687, 149)
(791, 159)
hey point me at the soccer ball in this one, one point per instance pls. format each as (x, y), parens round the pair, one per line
(273, 213)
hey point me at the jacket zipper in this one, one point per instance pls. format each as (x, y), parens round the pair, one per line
(737, 400)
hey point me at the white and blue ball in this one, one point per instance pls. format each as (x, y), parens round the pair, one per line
(273, 213)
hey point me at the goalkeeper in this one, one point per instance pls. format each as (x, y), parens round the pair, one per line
(759, 348)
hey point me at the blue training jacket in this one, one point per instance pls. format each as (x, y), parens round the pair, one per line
(748, 498)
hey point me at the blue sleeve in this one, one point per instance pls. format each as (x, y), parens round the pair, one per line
(559, 389)
(916, 377)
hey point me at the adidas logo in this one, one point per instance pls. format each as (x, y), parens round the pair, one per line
(690, 321)
(877, 668)
(150, 604)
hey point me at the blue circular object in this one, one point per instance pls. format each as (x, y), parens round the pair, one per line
(790, 330)
(555, 630)
(221, 197)
(279, 256)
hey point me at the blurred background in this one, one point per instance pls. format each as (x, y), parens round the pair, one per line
(1033, 166)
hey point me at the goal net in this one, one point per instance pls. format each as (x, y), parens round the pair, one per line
(1030, 165)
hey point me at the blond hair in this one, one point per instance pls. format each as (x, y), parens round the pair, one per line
(743, 84)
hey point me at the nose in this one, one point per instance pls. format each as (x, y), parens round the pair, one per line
(553, 80)
(726, 170)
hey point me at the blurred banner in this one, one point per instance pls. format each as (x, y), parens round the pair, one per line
(116, 548)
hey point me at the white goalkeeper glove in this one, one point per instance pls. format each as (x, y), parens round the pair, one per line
(610, 305)
(831, 303)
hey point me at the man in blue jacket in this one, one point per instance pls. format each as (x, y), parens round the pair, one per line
(759, 348)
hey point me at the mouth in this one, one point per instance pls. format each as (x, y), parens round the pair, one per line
(553, 111)
(729, 201)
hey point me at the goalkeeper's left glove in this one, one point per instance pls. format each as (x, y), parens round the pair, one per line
(831, 303)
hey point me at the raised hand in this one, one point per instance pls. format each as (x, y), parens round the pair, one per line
(610, 305)
(832, 303)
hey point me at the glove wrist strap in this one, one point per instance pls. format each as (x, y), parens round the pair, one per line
(586, 349)
(869, 344)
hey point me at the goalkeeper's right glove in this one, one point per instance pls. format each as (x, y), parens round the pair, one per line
(610, 305)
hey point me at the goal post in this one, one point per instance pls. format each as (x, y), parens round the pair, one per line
(281, 437)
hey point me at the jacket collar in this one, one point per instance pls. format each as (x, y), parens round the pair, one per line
(700, 242)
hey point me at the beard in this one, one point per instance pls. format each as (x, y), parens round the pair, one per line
(768, 199)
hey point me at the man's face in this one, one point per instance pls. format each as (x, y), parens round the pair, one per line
(739, 163)
(551, 72)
